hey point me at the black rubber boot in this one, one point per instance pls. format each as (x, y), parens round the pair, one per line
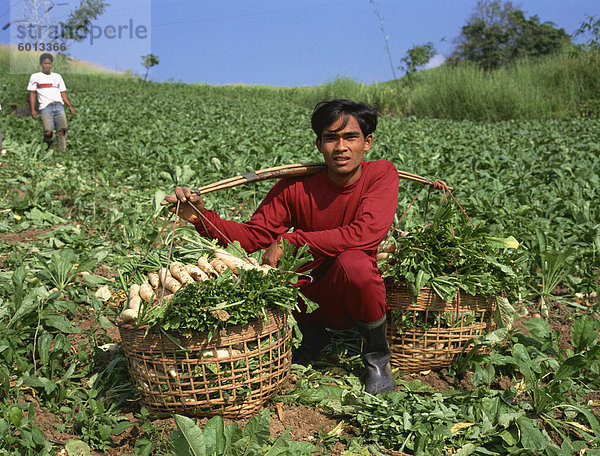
(314, 339)
(376, 357)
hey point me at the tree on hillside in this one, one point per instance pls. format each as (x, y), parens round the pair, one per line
(498, 33)
(417, 56)
(148, 61)
(590, 29)
(77, 26)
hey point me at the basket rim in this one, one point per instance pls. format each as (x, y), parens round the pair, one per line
(131, 327)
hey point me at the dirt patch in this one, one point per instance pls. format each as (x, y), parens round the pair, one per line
(106, 272)
(48, 422)
(466, 382)
(23, 236)
(435, 379)
(303, 421)
(561, 322)
(504, 383)
(593, 400)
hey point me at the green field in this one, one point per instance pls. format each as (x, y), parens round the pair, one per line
(130, 142)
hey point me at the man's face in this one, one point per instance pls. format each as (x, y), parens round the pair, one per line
(46, 66)
(344, 149)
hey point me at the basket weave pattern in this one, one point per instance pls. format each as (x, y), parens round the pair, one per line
(233, 375)
(429, 333)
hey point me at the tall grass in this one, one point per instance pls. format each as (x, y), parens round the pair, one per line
(564, 85)
(559, 86)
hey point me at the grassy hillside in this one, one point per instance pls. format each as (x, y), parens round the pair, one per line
(17, 61)
(565, 85)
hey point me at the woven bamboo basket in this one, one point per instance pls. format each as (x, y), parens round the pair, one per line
(232, 375)
(429, 333)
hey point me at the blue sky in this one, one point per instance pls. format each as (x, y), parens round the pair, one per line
(288, 43)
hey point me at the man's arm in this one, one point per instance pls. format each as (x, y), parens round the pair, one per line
(63, 95)
(32, 99)
(270, 219)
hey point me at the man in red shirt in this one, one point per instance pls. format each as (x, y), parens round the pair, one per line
(342, 213)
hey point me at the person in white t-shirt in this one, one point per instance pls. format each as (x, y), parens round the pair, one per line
(50, 91)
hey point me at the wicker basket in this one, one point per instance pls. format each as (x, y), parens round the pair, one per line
(428, 334)
(233, 375)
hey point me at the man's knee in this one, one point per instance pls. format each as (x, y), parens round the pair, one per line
(358, 266)
(48, 134)
(62, 132)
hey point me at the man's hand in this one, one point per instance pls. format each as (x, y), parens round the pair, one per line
(34, 113)
(186, 199)
(272, 255)
(72, 110)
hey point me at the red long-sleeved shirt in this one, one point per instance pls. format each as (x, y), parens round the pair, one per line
(328, 218)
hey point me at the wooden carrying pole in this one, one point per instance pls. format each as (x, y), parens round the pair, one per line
(294, 170)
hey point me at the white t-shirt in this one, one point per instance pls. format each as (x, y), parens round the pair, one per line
(48, 88)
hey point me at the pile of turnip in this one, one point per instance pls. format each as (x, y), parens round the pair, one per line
(161, 285)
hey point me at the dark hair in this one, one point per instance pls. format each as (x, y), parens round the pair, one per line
(327, 112)
(46, 57)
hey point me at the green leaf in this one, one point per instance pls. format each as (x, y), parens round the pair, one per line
(466, 450)
(61, 323)
(159, 197)
(570, 368)
(121, 427)
(531, 436)
(583, 333)
(539, 328)
(525, 364)
(15, 416)
(94, 280)
(506, 419)
(259, 427)
(77, 448)
(507, 436)
(43, 347)
(504, 315)
(29, 305)
(214, 436)
(503, 243)
(104, 322)
(192, 434)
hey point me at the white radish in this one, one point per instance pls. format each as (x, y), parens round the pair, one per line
(230, 260)
(383, 256)
(218, 265)
(153, 279)
(162, 292)
(172, 371)
(129, 315)
(172, 284)
(179, 272)
(221, 353)
(146, 292)
(134, 292)
(163, 275)
(388, 248)
(206, 266)
(196, 273)
(134, 303)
